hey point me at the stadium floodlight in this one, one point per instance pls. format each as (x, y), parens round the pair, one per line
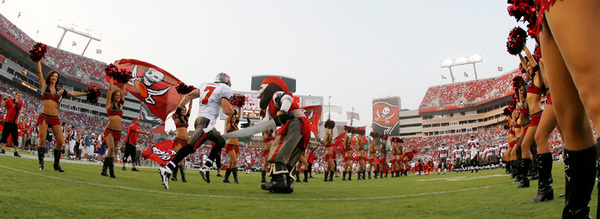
(448, 63)
(71, 27)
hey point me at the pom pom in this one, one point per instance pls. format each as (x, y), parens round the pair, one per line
(38, 52)
(111, 70)
(374, 134)
(507, 111)
(238, 100)
(518, 82)
(524, 9)
(384, 137)
(349, 129)
(123, 76)
(361, 131)
(92, 94)
(329, 124)
(516, 40)
(183, 88)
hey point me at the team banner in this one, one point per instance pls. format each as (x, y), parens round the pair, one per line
(152, 85)
(162, 152)
(386, 116)
(313, 115)
(158, 125)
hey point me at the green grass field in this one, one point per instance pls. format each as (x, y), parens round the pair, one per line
(80, 192)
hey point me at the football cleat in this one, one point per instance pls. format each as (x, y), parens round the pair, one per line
(165, 174)
(204, 172)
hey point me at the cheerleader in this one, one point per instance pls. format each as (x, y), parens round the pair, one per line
(373, 157)
(232, 147)
(547, 124)
(48, 118)
(112, 133)
(181, 121)
(347, 157)
(568, 41)
(327, 141)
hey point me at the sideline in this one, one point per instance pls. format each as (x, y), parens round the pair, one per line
(253, 198)
(463, 178)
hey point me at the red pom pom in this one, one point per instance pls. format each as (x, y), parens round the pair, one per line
(182, 88)
(92, 94)
(522, 9)
(123, 76)
(111, 70)
(507, 111)
(329, 124)
(348, 129)
(374, 134)
(384, 137)
(38, 52)
(238, 100)
(516, 40)
(518, 82)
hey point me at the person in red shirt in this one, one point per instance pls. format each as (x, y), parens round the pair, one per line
(311, 160)
(132, 136)
(13, 107)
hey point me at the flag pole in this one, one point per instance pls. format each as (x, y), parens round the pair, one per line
(352, 116)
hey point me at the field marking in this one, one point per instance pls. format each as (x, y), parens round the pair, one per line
(463, 178)
(255, 198)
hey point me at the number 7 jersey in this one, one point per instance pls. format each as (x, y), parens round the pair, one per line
(210, 99)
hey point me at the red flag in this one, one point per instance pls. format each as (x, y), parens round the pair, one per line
(98, 51)
(3, 1)
(74, 43)
(18, 16)
(313, 115)
(443, 77)
(499, 68)
(162, 152)
(152, 85)
(466, 75)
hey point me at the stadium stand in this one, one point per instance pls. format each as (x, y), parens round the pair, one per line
(469, 93)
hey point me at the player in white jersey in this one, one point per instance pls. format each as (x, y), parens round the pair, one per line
(458, 163)
(472, 141)
(213, 97)
(443, 159)
(474, 156)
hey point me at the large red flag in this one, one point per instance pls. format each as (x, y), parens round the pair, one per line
(162, 152)
(152, 85)
(313, 114)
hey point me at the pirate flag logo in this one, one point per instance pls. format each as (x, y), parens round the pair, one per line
(147, 84)
(385, 115)
(313, 115)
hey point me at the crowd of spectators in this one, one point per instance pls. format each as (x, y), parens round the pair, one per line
(467, 93)
(76, 67)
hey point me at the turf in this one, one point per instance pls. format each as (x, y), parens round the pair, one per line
(81, 192)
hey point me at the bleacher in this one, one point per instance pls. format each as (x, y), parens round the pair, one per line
(467, 93)
(76, 67)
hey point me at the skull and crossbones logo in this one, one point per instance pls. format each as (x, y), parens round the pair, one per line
(385, 115)
(144, 83)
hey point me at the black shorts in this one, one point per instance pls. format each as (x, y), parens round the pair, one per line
(129, 151)
(12, 129)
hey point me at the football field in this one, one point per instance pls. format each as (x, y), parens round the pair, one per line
(81, 192)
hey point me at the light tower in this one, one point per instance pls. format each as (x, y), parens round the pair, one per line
(70, 27)
(448, 63)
